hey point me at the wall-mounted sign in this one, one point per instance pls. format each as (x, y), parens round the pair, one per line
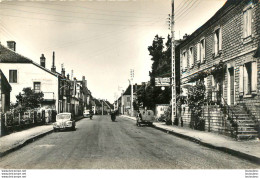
(159, 82)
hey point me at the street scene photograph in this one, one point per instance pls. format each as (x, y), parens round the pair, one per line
(130, 85)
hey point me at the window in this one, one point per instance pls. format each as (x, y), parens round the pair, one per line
(217, 46)
(13, 76)
(37, 86)
(248, 78)
(247, 26)
(128, 99)
(201, 51)
(191, 57)
(184, 61)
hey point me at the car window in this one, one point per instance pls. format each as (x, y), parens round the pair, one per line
(63, 116)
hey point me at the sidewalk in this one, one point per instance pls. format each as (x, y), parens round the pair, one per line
(249, 150)
(19, 139)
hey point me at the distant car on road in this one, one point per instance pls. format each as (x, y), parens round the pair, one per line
(145, 117)
(64, 121)
(86, 113)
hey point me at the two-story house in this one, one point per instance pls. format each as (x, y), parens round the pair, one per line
(223, 53)
(23, 72)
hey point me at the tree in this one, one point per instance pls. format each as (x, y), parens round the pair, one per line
(161, 67)
(196, 99)
(29, 99)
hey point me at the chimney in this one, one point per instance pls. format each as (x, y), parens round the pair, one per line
(185, 36)
(135, 87)
(42, 61)
(63, 72)
(11, 45)
(68, 76)
(53, 68)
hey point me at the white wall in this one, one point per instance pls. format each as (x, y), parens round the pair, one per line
(27, 74)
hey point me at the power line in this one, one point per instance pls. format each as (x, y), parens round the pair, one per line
(191, 4)
(77, 12)
(181, 6)
(180, 18)
(62, 21)
(71, 16)
(103, 9)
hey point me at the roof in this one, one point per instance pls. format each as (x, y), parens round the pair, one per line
(97, 103)
(135, 88)
(110, 105)
(230, 4)
(10, 56)
(5, 81)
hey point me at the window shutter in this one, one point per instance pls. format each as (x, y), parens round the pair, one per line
(245, 24)
(15, 76)
(241, 80)
(254, 77)
(191, 57)
(214, 43)
(249, 21)
(245, 72)
(198, 53)
(10, 76)
(204, 50)
(220, 39)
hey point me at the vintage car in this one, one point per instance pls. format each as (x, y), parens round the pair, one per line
(145, 117)
(86, 113)
(64, 121)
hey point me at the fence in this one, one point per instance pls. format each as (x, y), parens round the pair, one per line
(14, 120)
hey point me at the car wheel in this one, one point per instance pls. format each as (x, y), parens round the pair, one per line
(73, 128)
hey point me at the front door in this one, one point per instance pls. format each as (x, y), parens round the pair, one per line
(232, 86)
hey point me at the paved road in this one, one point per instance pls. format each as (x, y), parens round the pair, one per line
(100, 143)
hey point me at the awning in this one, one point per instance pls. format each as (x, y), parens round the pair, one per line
(257, 53)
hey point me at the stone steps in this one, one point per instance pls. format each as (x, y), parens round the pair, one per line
(246, 125)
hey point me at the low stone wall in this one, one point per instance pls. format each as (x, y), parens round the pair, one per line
(215, 120)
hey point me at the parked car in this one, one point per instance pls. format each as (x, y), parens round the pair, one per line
(86, 113)
(145, 117)
(64, 121)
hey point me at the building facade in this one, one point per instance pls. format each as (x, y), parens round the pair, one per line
(223, 53)
(22, 72)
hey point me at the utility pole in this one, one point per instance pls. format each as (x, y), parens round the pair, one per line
(102, 107)
(173, 66)
(132, 91)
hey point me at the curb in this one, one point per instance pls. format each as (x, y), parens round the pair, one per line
(236, 153)
(30, 140)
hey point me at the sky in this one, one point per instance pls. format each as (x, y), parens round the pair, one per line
(99, 39)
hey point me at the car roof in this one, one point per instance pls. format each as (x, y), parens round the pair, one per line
(64, 113)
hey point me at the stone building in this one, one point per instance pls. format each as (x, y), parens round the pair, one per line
(223, 53)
